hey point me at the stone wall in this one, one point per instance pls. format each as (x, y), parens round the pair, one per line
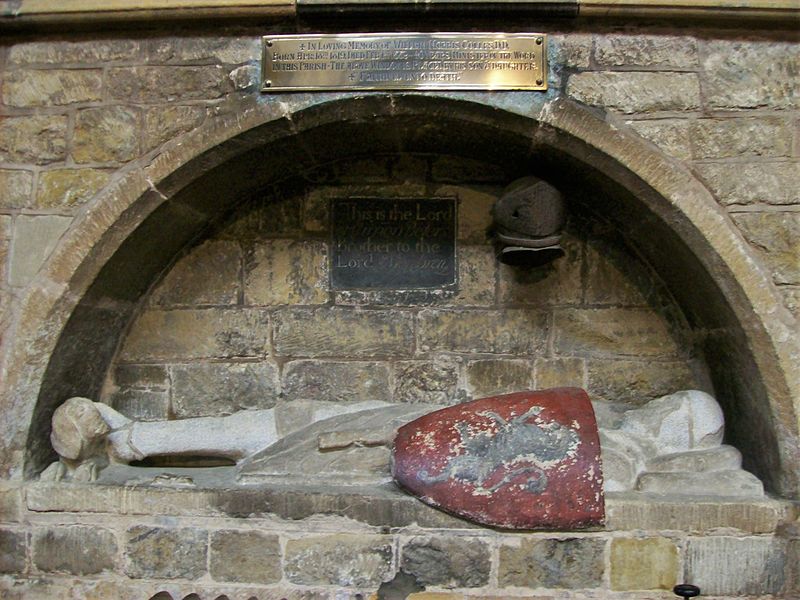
(79, 114)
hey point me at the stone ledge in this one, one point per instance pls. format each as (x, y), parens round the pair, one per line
(387, 506)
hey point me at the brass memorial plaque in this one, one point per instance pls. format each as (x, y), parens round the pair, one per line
(402, 61)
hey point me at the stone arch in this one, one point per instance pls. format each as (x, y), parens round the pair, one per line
(70, 322)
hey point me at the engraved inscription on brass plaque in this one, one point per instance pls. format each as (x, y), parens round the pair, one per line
(399, 61)
(393, 244)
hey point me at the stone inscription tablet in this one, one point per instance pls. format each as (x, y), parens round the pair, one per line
(462, 61)
(393, 244)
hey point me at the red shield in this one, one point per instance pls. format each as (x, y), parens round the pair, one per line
(528, 460)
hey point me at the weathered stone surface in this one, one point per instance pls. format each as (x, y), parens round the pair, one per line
(215, 389)
(287, 272)
(169, 84)
(54, 52)
(723, 458)
(435, 382)
(643, 564)
(108, 134)
(68, 187)
(77, 549)
(753, 183)
(736, 566)
(264, 217)
(456, 169)
(673, 136)
(474, 212)
(636, 92)
(36, 139)
(653, 51)
(743, 137)
(447, 562)
(556, 283)
(610, 331)
(476, 276)
(164, 123)
(791, 297)
(209, 274)
(498, 376)
(776, 238)
(13, 551)
(15, 188)
(167, 553)
(730, 484)
(636, 381)
(336, 381)
(571, 563)
(5, 227)
(744, 74)
(35, 237)
(559, 372)
(512, 331)
(346, 560)
(141, 376)
(142, 405)
(245, 557)
(9, 504)
(614, 278)
(208, 333)
(52, 87)
(335, 331)
(573, 50)
(204, 50)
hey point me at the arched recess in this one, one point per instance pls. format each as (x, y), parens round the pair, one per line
(72, 320)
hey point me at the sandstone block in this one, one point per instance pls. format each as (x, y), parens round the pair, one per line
(635, 381)
(76, 549)
(736, 566)
(164, 123)
(169, 84)
(652, 51)
(60, 53)
(345, 560)
(743, 74)
(643, 564)
(451, 169)
(673, 136)
(498, 376)
(435, 382)
(205, 333)
(141, 376)
(474, 212)
(614, 278)
(335, 331)
(5, 227)
(13, 551)
(559, 372)
(52, 87)
(573, 50)
(15, 188)
(612, 331)
(68, 187)
(761, 183)
(36, 139)
(287, 272)
(476, 276)
(636, 92)
(245, 557)
(571, 563)
(216, 389)
(204, 50)
(336, 381)
(166, 553)
(9, 504)
(208, 275)
(556, 283)
(791, 297)
(776, 239)
(265, 217)
(512, 331)
(142, 405)
(741, 137)
(35, 237)
(731, 484)
(447, 562)
(108, 134)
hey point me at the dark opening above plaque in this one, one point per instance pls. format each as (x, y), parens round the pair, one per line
(400, 61)
(393, 243)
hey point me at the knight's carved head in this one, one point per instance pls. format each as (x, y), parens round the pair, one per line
(78, 429)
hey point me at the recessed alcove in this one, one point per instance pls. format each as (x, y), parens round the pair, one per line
(632, 292)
